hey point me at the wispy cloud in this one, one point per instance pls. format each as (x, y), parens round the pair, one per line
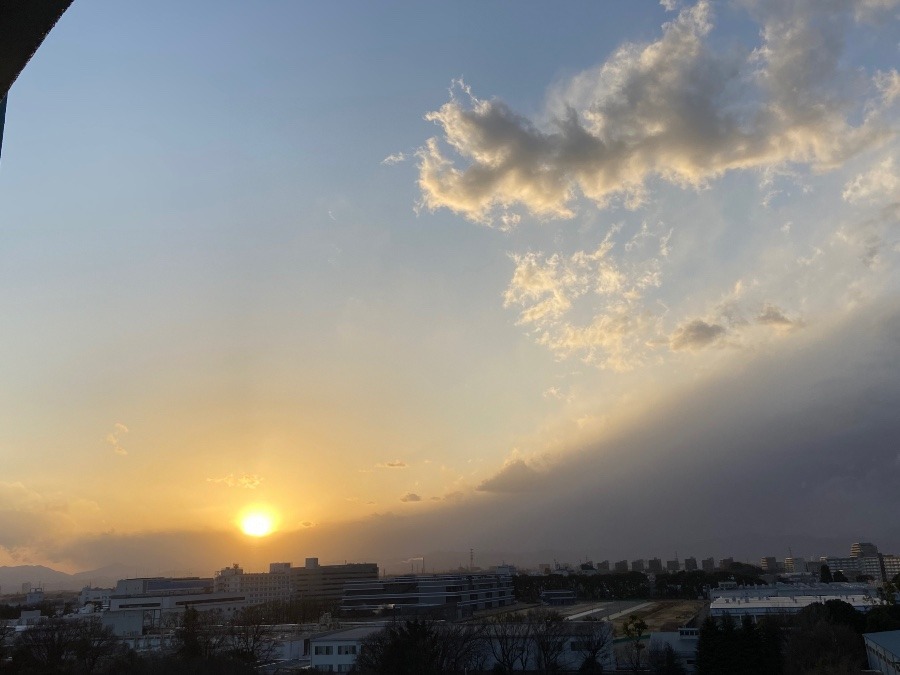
(114, 438)
(249, 481)
(397, 464)
(410, 497)
(395, 158)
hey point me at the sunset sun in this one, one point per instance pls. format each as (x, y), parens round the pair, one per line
(257, 524)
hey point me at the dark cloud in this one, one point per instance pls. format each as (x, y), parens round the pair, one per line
(695, 334)
(392, 465)
(773, 316)
(516, 476)
(410, 497)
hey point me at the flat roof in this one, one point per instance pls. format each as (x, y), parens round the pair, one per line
(349, 634)
(787, 601)
(888, 640)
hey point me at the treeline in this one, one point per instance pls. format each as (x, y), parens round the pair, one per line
(633, 585)
(202, 642)
(821, 638)
(537, 641)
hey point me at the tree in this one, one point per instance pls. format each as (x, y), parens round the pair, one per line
(665, 661)
(250, 638)
(66, 646)
(407, 648)
(200, 635)
(592, 643)
(825, 574)
(840, 577)
(634, 629)
(509, 639)
(548, 634)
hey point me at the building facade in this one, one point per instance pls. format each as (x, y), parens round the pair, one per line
(457, 595)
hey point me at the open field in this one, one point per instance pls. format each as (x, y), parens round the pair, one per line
(663, 615)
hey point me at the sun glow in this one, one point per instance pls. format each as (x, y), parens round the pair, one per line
(257, 524)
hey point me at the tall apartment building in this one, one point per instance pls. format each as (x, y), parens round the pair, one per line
(673, 565)
(655, 565)
(621, 566)
(690, 564)
(708, 564)
(282, 582)
(769, 563)
(637, 565)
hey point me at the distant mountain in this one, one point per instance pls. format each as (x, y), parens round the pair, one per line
(12, 577)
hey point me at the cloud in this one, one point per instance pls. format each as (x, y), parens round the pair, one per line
(114, 437)
(307, 524)
(392, 465)
(250, 481)
(552, 292)
(879, 183)
(696, 334)
(395, 158)
(771, 315)
(515, 476)
(410, 497)
(675, 110)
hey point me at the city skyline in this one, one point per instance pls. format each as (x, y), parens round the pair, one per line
(428, 278)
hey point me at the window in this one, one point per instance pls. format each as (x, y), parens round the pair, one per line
(324, 650)
(346, 649)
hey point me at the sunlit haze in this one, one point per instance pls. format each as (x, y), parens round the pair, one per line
(585, 280)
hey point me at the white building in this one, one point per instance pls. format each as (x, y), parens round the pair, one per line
(758, 607)
(883, 650)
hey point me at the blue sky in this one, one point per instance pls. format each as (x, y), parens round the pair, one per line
(411, 262)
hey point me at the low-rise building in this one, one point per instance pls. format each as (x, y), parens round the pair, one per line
(758, 607)
(883, 651)
(456, 595)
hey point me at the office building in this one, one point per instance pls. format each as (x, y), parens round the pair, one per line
(453, 595)
(654, 565)
(637, 565)
(690, 564)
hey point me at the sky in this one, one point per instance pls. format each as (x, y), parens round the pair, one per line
(608, 280)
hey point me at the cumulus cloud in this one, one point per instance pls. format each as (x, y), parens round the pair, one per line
(410, 497)
(249, 481)
(515, 476)
(114, 438)
(674, 109)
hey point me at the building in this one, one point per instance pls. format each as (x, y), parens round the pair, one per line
(863, 550)
(673, 565)
(708, 564)
(795, 565)
(690, 564)
(96, 596)
(683, 641)
(324, 583)
(883, 651)
(454, 595)
(654, 565)
(758, 607)
(769, 564)
(621, 566)
(637, 565)
(891, 566)
(726, 563)
(603, 566)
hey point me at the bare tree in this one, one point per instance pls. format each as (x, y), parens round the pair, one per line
(66, 645)
(593, 641)
(549, 635)
(250, 637)
(509, 638)
(463, 647)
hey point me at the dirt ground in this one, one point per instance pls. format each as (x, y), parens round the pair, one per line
(664, 615)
